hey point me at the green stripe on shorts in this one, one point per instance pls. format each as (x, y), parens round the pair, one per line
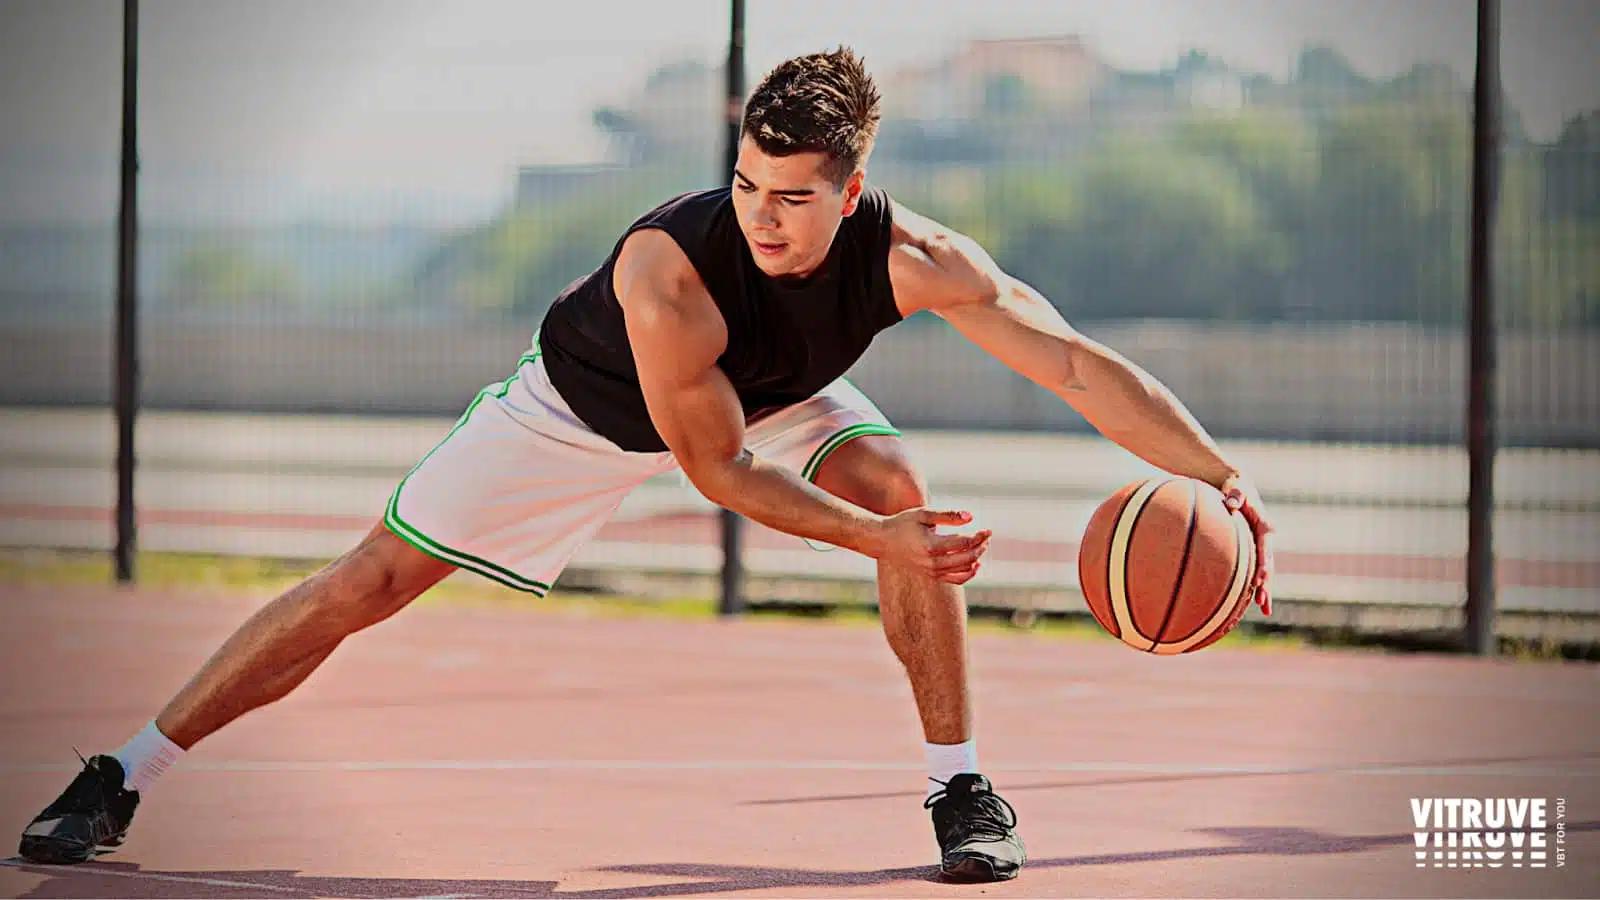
(406, 532)
(839, 439)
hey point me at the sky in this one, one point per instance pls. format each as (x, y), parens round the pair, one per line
(420, 109)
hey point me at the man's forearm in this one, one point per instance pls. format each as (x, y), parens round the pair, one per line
(780, 499)
(1129, 406)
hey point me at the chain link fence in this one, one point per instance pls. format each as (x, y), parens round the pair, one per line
(361, 210)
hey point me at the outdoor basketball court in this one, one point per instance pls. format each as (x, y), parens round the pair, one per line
(496, 752)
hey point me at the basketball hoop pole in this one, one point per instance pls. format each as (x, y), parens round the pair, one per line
(1479, 636)
(732, 599)
(127, 337)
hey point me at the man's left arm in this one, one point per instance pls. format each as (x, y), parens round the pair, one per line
(950, 275)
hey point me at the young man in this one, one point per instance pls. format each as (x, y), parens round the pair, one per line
(712, 339)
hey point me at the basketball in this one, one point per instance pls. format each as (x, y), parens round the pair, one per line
(1165, 566)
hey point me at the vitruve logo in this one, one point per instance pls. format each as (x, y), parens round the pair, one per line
(1478, 833)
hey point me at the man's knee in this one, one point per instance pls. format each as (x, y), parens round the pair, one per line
(898, 490)
(381, 575)
(874, 473)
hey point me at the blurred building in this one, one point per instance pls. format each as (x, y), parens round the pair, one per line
(672, 115)
(1044, 75)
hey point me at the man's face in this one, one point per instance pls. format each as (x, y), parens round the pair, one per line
(788, 209)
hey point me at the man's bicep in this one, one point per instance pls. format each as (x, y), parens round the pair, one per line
(693, 406)
(677, 335)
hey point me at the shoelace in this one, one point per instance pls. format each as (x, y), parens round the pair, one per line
(984, 813)
(86, 792)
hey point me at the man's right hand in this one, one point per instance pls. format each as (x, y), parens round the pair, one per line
(909, 539)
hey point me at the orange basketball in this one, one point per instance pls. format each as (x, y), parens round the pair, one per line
(1165, 567)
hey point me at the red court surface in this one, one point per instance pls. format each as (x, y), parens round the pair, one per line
(500, 752)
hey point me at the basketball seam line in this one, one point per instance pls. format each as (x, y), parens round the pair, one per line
(1183, 567)
(1244, 564)
(1222, 601)
(1127, 552)
(1116, 627)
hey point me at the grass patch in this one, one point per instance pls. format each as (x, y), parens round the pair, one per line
(269, 576)
(198, 571)
(999, 620)
(265, 576)
(1434, 640)
(155, 570)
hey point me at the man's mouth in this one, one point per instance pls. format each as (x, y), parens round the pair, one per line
(766, 249)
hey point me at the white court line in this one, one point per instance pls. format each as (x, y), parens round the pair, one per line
(646, 765)
(92, 869)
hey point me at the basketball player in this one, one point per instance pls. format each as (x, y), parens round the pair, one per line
(712, 339)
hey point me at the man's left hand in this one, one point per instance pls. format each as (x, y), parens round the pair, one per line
(1239, 494)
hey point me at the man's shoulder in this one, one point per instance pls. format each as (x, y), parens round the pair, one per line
(667, 308)
(653, 271)
(653, 252)
(673, 239)
(909, 234)
(909, 228)
(932, 266)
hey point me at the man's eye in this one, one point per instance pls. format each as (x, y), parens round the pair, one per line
(747, 189)
(794, 201)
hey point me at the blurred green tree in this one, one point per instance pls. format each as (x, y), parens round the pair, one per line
(214, 275)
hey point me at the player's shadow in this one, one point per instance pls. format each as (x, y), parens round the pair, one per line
(115, 879)
(102, 879)
(1166, 778)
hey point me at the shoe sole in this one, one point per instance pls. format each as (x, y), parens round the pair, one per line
(976, 871)
(51, 851)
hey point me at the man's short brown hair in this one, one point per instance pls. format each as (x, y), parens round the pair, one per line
(818, 103)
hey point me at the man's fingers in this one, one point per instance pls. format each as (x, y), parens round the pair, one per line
(1264, 569)
(951, 562)
(942, 545)
(1251, 514)
(1259, 530)
(960, 577)
(1235, 498)
(944, 517)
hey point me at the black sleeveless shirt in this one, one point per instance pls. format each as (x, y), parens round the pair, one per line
(786, 339)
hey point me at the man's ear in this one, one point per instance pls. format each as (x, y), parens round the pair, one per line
(853, 186)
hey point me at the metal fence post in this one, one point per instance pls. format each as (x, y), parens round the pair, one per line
(1480, 612)
(127, 334)
(732, 597)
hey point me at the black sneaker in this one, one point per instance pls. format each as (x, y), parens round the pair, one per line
(94, 811)
(974, 829)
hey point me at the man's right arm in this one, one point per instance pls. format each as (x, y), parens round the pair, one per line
(677, 335)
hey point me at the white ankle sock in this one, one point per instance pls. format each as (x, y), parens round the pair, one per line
(948, 760)
(145, 756)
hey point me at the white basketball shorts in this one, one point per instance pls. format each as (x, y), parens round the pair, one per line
(521, 482)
